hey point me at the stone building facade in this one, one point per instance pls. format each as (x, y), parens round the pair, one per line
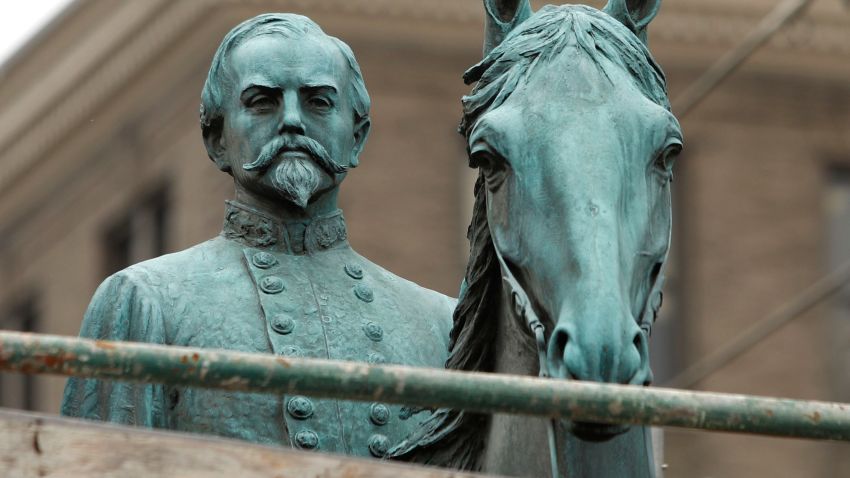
(101, 165)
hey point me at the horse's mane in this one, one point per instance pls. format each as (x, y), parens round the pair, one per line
(456, 438)
(452, 437)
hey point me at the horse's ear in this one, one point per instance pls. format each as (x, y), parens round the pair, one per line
(502, 16)
(634, 14)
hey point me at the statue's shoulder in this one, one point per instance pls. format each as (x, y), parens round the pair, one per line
(407, 288)
(208, 255)
(176, 268)
(417, 301)
(131, 304)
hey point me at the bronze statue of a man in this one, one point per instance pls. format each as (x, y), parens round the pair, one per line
(286, 113)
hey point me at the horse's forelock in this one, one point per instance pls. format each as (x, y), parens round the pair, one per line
(544, 35)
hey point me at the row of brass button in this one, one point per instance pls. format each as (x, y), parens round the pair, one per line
(284, 324)
(378, 444)
(301, 408)
(274, 284)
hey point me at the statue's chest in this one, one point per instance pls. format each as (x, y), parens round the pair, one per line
(320, 307)
(334, 307)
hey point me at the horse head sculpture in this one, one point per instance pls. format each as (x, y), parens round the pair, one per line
(572, 131)
(570, 127)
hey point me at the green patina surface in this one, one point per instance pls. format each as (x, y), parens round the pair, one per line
(570, 127)
(285, 112)
(489, 393)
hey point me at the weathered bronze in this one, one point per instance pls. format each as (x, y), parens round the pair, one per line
(286, 113)
(481, 392)
(570, 127)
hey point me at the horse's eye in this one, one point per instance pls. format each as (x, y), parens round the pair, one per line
(481, 158)
(664, 161)
(492, 166)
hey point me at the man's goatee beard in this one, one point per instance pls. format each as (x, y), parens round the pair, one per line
(296, 179)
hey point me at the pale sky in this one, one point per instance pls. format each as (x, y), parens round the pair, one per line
(20, 20)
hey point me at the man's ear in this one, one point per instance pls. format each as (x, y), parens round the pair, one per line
(214, 142)
(361, 132)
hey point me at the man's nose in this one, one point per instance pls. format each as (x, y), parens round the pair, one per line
(290, 121)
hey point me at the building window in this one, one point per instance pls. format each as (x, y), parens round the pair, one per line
(138, 235)
(18, 390)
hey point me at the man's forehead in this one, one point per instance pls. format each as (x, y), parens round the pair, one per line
(272, 59)
(271, 80)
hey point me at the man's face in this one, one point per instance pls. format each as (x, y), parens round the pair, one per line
(288, 117)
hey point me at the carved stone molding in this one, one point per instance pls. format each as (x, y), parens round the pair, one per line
(804, 36)
(28, 132)
(125, 44)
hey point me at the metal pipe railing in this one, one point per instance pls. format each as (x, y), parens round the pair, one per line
(479, 392)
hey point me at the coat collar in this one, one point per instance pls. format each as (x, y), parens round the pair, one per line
(254, 228)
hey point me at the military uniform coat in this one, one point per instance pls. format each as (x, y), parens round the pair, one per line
(262, 286)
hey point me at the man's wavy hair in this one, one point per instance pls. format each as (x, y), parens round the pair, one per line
(287, 25)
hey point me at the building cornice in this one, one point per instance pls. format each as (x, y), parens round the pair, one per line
(120, 47)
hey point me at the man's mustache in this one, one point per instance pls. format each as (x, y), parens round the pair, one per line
(285, 143)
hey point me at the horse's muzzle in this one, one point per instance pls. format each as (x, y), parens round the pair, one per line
(599, 357)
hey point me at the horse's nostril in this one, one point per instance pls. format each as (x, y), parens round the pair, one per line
(638, 342)
(561, 338)
(557, 349)
(642, 374)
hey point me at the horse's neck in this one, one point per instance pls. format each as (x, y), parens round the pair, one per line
(515, 446)
(518, 445)
(515, 350)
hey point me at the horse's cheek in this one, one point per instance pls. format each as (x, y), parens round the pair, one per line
(660, 216)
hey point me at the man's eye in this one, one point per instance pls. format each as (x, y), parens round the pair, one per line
(319, 102)
(261, 102)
